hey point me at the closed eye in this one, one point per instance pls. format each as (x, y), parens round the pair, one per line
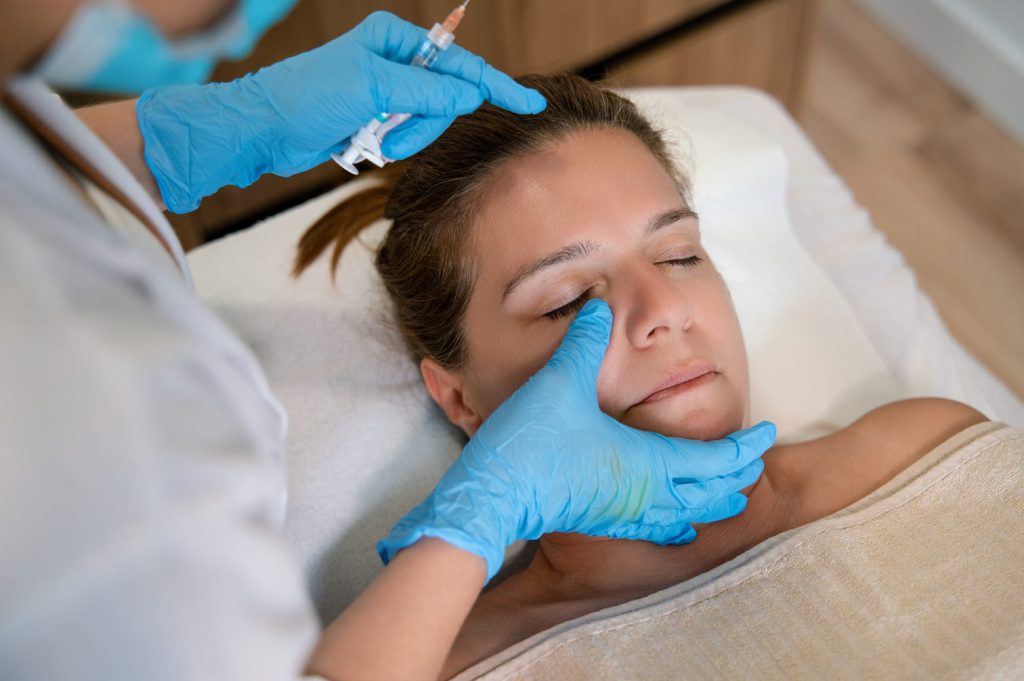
(574, 305)
(570, 307)
(692, 261)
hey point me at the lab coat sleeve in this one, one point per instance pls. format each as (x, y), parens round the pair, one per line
(141, 477)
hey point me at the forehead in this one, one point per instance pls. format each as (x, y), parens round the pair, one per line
(588, 184)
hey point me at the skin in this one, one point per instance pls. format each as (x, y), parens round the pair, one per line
(667, 316)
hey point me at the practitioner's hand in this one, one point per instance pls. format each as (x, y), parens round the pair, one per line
(289, 117)
(549, 460)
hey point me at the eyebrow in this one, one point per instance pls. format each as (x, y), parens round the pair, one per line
(581, 249)
(667, 218)
(571, 252)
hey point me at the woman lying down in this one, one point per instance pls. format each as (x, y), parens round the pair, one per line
(541, 214)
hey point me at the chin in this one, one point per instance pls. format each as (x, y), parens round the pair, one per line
(693, 423)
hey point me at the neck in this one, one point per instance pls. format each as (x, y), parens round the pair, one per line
(577, 566)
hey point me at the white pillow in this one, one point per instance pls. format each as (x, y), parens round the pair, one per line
(365, 441)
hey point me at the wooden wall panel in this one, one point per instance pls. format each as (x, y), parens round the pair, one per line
(519, 36)
(765, 47)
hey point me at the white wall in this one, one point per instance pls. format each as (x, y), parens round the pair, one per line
(978, 45)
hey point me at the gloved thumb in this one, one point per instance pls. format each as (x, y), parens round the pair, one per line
(413, 136)
(582, 350)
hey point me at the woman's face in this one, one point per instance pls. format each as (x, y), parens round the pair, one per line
(595, 215)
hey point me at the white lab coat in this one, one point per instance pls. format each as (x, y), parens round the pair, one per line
(141, 476)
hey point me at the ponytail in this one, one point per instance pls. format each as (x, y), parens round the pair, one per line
(343, 223)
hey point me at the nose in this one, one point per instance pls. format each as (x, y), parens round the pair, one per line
(651, 307)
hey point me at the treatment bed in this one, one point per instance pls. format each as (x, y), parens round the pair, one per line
(835, 324)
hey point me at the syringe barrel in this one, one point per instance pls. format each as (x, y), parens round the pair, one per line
(440, 36)
(426, 55)
(437, 41)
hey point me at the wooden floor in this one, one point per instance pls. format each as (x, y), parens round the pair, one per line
(939, 178)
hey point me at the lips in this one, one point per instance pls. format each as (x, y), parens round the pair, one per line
(690, 376)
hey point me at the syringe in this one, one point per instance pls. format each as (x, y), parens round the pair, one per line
(365, 144)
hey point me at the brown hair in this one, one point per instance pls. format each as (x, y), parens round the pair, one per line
(430, 198)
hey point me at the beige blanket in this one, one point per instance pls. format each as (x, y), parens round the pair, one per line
(923, 579)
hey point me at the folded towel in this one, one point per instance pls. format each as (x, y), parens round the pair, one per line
(922, 579)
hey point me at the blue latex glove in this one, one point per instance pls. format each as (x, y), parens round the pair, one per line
(549, 460)
(289, 117)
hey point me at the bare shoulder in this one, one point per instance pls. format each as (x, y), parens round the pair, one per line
(910, 427)
(855, 461)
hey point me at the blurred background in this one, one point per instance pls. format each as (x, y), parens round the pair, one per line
(917, 104)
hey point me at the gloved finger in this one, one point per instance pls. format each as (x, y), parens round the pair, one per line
(696, 494)
(670, 534)
(389, 36)
(583, 347)
(755, 441)
(730, 506)
(397, 40)
(697, 460)
(409, 89)
(413, 136)
(497, 87)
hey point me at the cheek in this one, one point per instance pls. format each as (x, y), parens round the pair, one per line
(615, 365)
(733, 349)
(502, 358)
(726, 343)
(725, 336)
